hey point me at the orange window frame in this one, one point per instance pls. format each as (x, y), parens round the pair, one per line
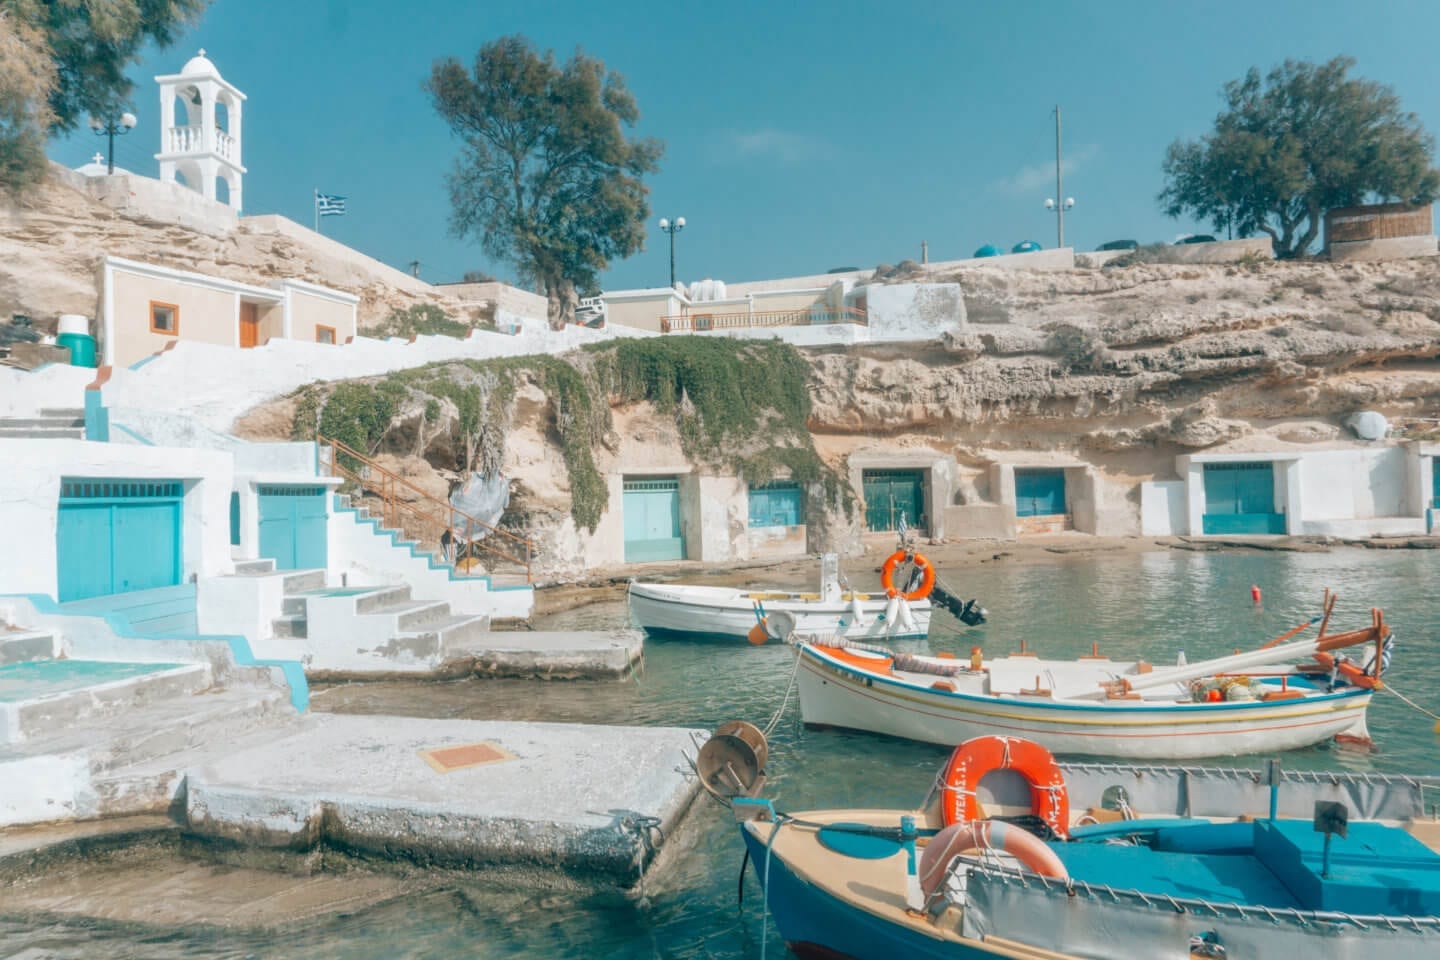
(334, 338)
(174, 318)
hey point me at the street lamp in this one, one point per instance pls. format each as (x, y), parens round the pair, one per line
(111, 128)
(672, 228)
(1056, 203)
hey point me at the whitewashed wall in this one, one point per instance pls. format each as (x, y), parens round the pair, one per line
(30, 499)
(23, 393)
(1162, 509)
(220, 383)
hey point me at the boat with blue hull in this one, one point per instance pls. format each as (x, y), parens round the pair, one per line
(1103, 861)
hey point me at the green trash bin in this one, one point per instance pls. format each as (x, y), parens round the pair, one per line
(82, 348)
(73, 331)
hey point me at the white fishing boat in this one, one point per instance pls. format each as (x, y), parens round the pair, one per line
(688, 610)
(1101, 707)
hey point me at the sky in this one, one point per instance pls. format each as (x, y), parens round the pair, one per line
(800, 136)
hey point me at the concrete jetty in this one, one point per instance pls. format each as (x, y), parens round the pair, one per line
(558, 655)
(588, 799)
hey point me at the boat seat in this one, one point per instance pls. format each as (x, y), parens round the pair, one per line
(767, 596)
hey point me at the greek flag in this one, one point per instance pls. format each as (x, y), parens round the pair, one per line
(903, 528)
(329, 205)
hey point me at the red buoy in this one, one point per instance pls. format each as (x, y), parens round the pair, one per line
(1255, 592)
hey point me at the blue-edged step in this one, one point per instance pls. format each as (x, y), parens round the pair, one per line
(44, 696)
(19, 646)
(82, 739)
(402, 627)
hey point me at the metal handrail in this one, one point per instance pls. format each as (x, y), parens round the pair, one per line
(386, 485)
(807, 316)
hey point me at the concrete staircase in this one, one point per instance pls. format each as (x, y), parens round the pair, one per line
(81, 738)
(384, 627)
(47, 424)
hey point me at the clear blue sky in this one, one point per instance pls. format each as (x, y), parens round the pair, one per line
(801, 136)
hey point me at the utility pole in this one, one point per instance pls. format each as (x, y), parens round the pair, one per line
(1059, 203)
(924, 251)
(1059, 188)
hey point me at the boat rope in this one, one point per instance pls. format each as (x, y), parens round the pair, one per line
(1432, 716)
(785, 702)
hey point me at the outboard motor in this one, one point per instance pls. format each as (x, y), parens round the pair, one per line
(971, 614)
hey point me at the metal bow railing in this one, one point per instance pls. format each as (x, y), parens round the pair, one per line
(425, 517)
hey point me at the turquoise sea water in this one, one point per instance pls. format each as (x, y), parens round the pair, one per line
(1152, 604)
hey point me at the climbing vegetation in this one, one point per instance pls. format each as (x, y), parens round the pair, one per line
(739, 406)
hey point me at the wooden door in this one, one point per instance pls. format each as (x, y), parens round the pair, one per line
(249, 325)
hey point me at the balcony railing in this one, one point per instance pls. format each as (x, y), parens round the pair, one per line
(701, 322)
(184, 140)
(225, 145)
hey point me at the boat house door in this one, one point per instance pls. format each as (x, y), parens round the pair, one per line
(1039, 493)
(889, 494)
(652, 520)
(293, 526)
(1240, 498)
(115, 536)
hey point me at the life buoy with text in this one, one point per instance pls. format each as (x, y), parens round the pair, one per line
(976, 757)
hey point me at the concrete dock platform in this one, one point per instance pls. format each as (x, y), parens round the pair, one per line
(589, 800)
(559, 655)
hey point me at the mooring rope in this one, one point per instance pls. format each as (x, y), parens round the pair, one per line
(1432, 716)
(784, 703)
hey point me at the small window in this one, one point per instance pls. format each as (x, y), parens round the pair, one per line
(164, 318)
(324, 334)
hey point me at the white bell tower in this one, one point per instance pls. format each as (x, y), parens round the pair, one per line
(203, 146)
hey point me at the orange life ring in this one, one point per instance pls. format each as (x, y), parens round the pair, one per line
(887, 575)
(976, 757)
(957, 838)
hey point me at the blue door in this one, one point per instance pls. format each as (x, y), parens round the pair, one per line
(293, 527)
(652, 520)
(776, 504)
(1240, 498)
(115, 536)
(1039, 493)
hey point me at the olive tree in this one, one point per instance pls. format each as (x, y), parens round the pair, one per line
(547, 179)
(1305, 139)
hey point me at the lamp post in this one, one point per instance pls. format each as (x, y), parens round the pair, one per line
(1059, 203)
(111, 128)
(672, 228)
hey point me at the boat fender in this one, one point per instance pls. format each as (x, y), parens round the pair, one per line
(892, 608)
(978, 756)
(960, 838)
(857, 615)
(923, 568)
(907, 618)
(758, 634)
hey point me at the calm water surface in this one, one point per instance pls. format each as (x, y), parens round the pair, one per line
(1151, 604)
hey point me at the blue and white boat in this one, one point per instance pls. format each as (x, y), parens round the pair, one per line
(1151, 862)
(1131, 710)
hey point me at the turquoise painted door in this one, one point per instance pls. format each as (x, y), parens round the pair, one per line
(776, 504)
(1039, 493)
(293, 527)
(115, 536)
(891, 494)
(652, 520)
(1240, 498)
(1435, 482)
